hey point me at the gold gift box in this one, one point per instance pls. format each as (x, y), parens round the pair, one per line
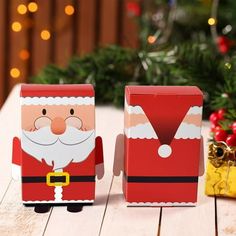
(221, 170)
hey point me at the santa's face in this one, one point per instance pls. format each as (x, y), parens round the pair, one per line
(59, 134)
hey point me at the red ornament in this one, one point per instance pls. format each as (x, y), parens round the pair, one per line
(231, 140)
(221, 113)
(224, 44)
(221, 135)
(233, 127)
(218, 127)
(133, 8)
(215, 127)
(214, 118)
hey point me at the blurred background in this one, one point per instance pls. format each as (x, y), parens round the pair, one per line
(112, 43)
(37, 33)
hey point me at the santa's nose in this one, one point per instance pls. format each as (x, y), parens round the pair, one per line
(58, 126)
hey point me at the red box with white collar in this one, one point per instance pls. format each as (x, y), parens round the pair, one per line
(162, 145)
(57, 151)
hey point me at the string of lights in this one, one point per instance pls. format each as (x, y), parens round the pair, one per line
(44, 33)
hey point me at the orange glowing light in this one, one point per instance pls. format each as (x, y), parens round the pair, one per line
(22, 9)
(32, 6)
(16, 26)
(45, 35)
(151, 39)
(69, 10)
(24, 54)
(15, 72)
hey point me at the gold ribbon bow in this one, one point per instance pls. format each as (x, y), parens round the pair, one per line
(220, 152)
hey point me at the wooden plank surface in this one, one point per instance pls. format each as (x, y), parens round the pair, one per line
(85, 223)
(18, 41)
(63, 33)
(17, 220)
(9, 127)
(226, 216)
(41, 49)
(129, 35)
(108, 22)
(123, 220)
(86, 27)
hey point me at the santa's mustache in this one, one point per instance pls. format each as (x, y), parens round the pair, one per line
(45, 137)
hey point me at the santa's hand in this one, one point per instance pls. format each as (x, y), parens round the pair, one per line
(118, 164)
(15, 171)
(100, 170)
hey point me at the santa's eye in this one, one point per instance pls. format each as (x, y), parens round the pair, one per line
(72, 111)
(44, 112)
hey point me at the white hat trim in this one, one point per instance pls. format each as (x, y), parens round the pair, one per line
(57, 101)
(146, 131)
(133, 109)
(141, 131)
(195, 110)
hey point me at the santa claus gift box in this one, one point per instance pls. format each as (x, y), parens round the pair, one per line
(162, 145)
(57, 153)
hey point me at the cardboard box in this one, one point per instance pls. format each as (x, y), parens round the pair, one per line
(57, 148)
(162, 145)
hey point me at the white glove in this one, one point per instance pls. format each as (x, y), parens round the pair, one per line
(16, 171)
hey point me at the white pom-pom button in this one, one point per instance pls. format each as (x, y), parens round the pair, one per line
(164, 151)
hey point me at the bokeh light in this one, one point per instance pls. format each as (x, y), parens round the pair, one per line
(211, 21)
(16, 26)
(32, 6)
(15, 72)
(24, 54)
(151, 39)
(69, 10)
(228, 65)
(22, 9)
(45, 35)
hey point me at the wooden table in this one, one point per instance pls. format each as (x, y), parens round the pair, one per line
(109, 214)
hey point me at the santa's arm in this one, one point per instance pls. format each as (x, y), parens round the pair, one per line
(16, 158)
(118, 164)
(99, 158)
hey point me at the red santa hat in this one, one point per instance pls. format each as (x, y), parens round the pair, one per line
(66, 94)
(165, 113)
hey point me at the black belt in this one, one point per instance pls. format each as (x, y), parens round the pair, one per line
(54, 179)
(161, 179)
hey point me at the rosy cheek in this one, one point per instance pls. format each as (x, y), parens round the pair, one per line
(74, 122)
(42, 122)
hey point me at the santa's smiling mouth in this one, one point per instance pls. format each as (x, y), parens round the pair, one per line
(61, 139)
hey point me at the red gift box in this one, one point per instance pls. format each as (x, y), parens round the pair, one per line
(162, 144)
(57, 151)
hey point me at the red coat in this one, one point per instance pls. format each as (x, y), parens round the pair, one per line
(167, 180)
(35, 188)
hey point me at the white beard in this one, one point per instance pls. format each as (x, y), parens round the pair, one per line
(58, 150)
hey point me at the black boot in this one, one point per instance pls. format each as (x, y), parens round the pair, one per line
(75, 207)
(42, 208)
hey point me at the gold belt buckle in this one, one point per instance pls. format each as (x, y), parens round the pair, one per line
(60, 174)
